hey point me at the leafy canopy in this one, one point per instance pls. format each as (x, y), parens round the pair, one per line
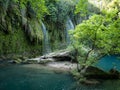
(38, 6)
(98, 35)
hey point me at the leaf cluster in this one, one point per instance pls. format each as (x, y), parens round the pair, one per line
(99, 35)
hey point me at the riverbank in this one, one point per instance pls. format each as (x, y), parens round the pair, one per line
(62, 65)
(53, 65)
(61, 60)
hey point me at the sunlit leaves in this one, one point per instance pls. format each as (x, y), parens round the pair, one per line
(37, 5)
(106, 27)
(101, 32)
(81, 7)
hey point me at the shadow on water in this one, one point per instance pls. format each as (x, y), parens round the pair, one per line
(26, 77)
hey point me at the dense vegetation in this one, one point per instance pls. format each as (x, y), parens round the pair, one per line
(20, 30)
(97, 36)
(95, 32)
(20, 24)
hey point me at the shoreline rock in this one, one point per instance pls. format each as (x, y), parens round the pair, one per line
(62, 65)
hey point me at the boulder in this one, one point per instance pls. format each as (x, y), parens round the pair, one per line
(59, 56)
(96, 73)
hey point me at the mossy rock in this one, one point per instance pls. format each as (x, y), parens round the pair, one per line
(2, 57)
(17, 61)
(23, 58)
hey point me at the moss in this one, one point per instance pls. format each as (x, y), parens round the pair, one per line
(17, 43)
(21, 34)
(14, 38)
(56, 34)
(34, 30)
(18, 61)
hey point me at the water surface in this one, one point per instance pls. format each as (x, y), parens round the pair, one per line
(35, 77)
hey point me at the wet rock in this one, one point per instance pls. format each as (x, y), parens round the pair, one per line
(12, 61)
(96, 73)
(62, 55)
(90, 82)
(58, 56)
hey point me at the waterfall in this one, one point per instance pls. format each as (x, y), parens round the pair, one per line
(46, 44)
(69, 26)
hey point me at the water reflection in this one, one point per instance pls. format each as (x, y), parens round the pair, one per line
(28, 77)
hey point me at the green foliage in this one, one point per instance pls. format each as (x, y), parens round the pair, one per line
(97, 36)
(14, 17)
(16, 43)
(52, 11)
(55, 21)
(60, 9)
(33, 31)
(18, 33)
(56, 35)
(37, 5)
(82, 7)
(65, 9)
(85, 8)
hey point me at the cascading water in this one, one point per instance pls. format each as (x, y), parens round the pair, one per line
(69, 26)
(46, 44)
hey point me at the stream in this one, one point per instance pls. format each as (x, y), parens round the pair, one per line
(37, 77)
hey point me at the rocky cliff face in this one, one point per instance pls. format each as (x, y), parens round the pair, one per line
(21, 31)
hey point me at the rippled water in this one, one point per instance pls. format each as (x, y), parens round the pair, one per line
(33, 77)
